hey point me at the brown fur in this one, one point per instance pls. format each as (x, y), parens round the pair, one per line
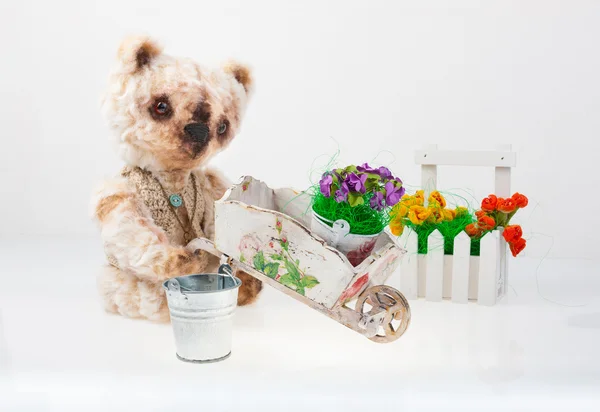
(241, 74)
(108, 204)
(249, 290)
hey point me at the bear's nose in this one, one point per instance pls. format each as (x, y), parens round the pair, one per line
(198, 132)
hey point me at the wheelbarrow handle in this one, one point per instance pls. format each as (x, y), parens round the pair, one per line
(204, 244)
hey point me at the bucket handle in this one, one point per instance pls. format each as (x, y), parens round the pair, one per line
(225, 269)
(173, 285)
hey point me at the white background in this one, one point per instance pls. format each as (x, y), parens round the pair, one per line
(376, 79)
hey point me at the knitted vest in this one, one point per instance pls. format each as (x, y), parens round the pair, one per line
(149, 190)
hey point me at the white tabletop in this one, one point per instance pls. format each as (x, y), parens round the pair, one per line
(59, 351)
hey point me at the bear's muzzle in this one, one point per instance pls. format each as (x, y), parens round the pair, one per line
(196, 132)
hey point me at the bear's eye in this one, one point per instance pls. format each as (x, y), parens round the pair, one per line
(161, 108)
(222, 128)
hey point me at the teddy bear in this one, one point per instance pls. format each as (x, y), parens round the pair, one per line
(167, 116)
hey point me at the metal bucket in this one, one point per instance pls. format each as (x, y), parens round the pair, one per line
(337, 234)
(201, 308)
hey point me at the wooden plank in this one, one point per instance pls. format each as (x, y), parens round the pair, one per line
(488, 269)
(435, 267)
(502, 189)
(503, 266)
(447, 287)
(493, 158)
(473, 277)
(408, 265)
(422, 275)
(429, 174)
(460, 268)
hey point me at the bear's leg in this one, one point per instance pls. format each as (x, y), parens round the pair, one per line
(124, 293)
(249, 290)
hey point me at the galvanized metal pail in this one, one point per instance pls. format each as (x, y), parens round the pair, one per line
(202, 308)
(337, 234)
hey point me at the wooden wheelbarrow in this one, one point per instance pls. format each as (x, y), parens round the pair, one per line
(263, 232)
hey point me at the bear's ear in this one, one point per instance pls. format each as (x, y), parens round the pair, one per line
(241, 73)
(137, 51)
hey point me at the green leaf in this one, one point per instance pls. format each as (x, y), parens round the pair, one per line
(271, 269)
(300, 290)
(288, 281)
(292, 270)
(284, 244)
(309, 282)
(371, 184)
(242, 258)
(259, 261)
(275, 256)
(355, 199)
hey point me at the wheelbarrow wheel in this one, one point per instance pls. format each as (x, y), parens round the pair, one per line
(397, 311)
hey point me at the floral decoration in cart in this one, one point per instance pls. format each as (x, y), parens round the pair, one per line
(275, 261)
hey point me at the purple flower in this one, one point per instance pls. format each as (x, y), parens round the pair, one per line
(341, 195)
(325, 184)
(365, 168)
(393, 193)
(377, 201)
(357, 183)
(384, 172)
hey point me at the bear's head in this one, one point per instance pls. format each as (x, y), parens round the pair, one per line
(169, 113)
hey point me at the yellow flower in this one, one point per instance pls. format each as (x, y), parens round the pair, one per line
(436, 215)
(460, 211)
(449, 214)
(437, 197)
(420, 198)
(397, 227)
(401, 209)
(418, 214)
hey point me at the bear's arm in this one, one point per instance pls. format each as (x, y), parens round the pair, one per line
(214, 187)
(137, 244)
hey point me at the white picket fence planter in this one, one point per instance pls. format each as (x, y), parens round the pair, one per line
(458, 277)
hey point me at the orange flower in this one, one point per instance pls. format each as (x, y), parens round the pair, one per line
(512, 233)
(518, 246)
(472, 230)
(486, 223)
(436, 197)
(520, 200)
(480, 214)
(506, 205)
(489, 203)
(396, 227)
(418, 214)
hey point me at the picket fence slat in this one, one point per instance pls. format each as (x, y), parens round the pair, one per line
(434, 279)
(488, 268)
(460, 268)
(408, 265)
